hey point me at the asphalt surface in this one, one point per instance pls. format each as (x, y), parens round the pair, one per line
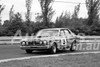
(14, 51)
(10, 51)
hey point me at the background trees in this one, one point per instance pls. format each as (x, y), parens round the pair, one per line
(2, 7)
(76, 11)
(11, 13)
(89, 26)
(28, 16)
(93, 7)
(63, 20)
(47, 11)
(28, 8)
(15, 25)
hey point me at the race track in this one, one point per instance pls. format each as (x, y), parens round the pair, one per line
(14, 51)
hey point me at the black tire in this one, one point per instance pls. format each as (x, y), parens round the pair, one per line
(53, 49)
(73, 47)
(28, 51)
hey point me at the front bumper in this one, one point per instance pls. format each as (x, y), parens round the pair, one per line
(35, 47)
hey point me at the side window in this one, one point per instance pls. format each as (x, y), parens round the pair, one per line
(62, 34)
(71, 33)
(67, 33)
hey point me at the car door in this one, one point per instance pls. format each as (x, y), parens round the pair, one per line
(69, 36)
(63, 38)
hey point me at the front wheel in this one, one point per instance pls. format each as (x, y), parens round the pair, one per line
(28, 51)
(54, 49)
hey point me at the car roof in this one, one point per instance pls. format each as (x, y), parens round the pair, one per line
(54, 28)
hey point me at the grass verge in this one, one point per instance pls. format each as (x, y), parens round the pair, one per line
(87, 60)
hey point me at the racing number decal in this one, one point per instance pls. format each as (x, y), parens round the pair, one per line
(63, 41)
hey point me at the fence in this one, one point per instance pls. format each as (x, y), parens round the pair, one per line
(90, 39)
(16, 40)
(11, 40)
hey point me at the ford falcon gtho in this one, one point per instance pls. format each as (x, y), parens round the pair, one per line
(52, 39)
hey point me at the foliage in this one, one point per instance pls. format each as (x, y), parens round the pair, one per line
(66, 20)
(76, 11)
(11, 13)
(12, 27)
(88, 26)
(93, 7)
(28, 7)
(2, 7)
(47, 11)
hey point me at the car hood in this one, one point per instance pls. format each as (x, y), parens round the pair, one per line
(42, 38)
(47, 38)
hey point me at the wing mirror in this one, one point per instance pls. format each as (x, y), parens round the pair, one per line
(81, 34)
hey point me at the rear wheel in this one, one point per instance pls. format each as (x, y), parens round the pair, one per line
(73, 47)
(28, 51)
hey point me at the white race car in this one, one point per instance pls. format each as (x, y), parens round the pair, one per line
(52, 39)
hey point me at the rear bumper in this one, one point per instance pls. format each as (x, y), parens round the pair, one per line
(35, 47)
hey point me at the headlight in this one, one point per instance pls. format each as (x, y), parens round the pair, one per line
(41, 42)
(45, 42)
(23, 43)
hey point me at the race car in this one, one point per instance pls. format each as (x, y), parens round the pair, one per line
(51, 39)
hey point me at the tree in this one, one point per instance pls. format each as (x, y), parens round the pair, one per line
(75, 20)
(93, 7)
(5, 26)
(63, 20)
(11, 13)
(47, 11)
(28, 16)
(58, 23)
(2, 7)
(76, 11)
(38, 17)
(16, 24)
(28, 7)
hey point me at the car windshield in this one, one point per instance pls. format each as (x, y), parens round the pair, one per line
(47, 33)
